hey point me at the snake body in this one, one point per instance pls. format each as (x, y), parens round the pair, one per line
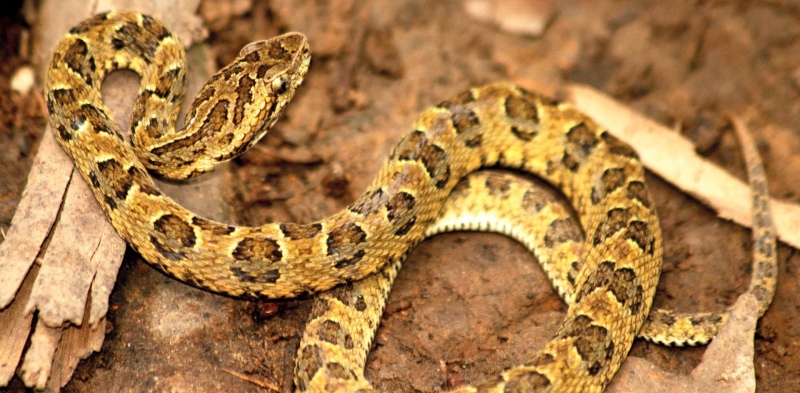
(494, 125)
(335, 363)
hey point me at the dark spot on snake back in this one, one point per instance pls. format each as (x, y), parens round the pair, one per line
(560, 231)
(173, 227)
(212, 227)
(637, 191)
(527, 381)
(345, 238)
(616, 219)
(300, 231)
(115, 177)
(522, 108)
(640, 233)
(258, 249)
(400, 205)
(610, 180)
(581, 136)
(464, 119)
(76, 55)
(334, 333)
(337, 371)
(416, 147)
(350, 261)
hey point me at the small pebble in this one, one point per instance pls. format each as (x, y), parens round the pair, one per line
(23, 80)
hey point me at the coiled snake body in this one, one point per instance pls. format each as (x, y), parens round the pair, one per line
(494, 125)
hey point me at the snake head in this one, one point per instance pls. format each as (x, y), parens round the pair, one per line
(281, 60)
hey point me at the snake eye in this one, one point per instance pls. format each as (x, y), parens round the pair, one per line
(280, 85)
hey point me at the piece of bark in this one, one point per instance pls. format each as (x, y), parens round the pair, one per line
(15, 324)
(36, 212)
(84, 253)
(673, 157)
(62, 285)
(38, 360)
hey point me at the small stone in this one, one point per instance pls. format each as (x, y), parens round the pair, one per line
(23, 80)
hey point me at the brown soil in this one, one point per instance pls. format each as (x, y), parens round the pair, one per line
(466, 305)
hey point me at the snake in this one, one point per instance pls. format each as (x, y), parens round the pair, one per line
(496, 125)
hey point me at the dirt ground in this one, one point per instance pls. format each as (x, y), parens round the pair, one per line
(466, 305)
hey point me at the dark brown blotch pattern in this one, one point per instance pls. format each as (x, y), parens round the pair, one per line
(638, 192)
(172, 236)
(311, 359)
(530, 381)
(524, 133)
(75, 56)
(523, 107)
(400, 209)
(662, 317)
(583, 137)
(334, 333)
(206, 93)
(337, 371)
(246, 275)
(110, 202)
(622, 283)
(345, 238)
(93, 179)
(176, 229)
(534, 200)
(705, 319)
(464, 119)
(115, 177)
(621, 287)
(416, 147)
(300, 231)
(610, 180)
(580, 142)
(262, 71)
(591, 342)
(343, 293)
(498, 185)
(405, 227)
(167, 82)
(258, 249)
(278, 53)
(154, 28)
(370, 203)
(141, 41)
(98, 119)
(640, 233)
(351, 260)
(400, 205)
(345, 242)
(616, 220)
(144, 181)
(214, 228)
(560, 231)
